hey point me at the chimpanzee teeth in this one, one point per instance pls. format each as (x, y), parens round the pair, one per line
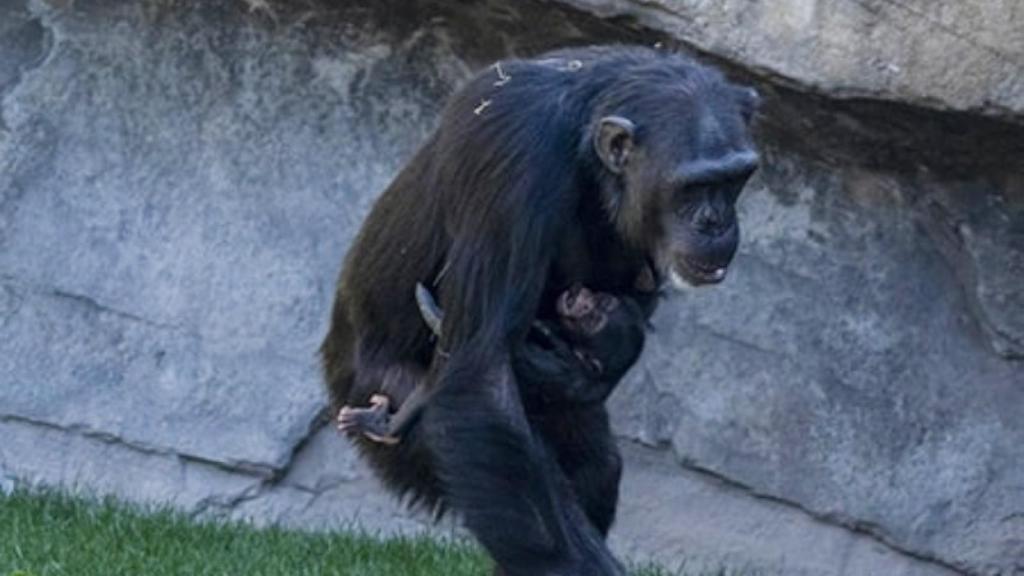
(677, 281)
(719, 274)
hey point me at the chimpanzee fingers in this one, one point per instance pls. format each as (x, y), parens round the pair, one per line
(545, 333)
(547, 342)
(590, 362)
(345, 417)
(350, 418)
(386, 440)
(348, 427)
(343, 414)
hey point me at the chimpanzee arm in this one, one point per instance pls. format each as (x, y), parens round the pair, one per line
(554, 373)
(587, 370)
(497, 472)
(509, 173)
(408, 412)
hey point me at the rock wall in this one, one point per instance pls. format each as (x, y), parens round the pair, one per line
(937, 53)
(179, 181)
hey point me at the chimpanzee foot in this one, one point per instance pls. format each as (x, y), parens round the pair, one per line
(371, 422)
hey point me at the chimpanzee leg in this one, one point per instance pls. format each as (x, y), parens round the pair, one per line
(588, 454)
(378, 374)
(376, 389)
(504, 480)
(595, 465)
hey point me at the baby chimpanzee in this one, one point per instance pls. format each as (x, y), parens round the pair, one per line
(574, 360)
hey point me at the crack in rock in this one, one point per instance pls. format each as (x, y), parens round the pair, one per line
(90, 303)
(267, 478)
(87, 432)
(95, 305)
(947, 233)
(866, 529)
(274, 479)
(260, 470)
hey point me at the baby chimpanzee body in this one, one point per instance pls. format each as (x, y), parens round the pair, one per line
(594, 340)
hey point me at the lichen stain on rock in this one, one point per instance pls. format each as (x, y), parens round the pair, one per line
(347, 73)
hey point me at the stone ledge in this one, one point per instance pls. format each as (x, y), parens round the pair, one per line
(944, 54)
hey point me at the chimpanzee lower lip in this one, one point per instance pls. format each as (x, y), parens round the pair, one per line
(698, 273)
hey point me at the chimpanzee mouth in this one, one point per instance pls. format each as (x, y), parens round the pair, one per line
(689, 272)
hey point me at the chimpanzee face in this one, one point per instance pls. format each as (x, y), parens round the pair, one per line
(700, 233)
(678, 183)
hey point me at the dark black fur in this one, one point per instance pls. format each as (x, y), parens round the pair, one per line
(553, 376)
(564, 402)
(569, 364)
(511, 200)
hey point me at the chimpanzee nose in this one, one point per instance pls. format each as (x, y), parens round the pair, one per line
(709, 221)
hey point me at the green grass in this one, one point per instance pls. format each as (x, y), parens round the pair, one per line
(52, 534)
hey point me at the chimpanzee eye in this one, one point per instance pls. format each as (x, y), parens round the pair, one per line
(684, 193)
(680, 203)
(733, 188)
(685, 196)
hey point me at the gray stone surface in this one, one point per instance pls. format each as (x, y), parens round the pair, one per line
(668, 515)
(961, 55)
(179, 181)
(982, 233)
(176, 200)
(840, 367)
(94, 465)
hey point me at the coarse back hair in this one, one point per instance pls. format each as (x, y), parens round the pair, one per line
(520, 136)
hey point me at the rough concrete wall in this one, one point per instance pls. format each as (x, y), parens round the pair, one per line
(179, 181)
(947, 54)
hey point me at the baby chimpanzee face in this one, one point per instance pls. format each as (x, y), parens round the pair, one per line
(602, 329)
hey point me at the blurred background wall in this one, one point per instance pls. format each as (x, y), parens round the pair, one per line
(179, 182)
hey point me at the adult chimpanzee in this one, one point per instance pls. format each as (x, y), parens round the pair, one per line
(587, 166)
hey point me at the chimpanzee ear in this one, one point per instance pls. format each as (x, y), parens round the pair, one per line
(613, 142)
(749, 101)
